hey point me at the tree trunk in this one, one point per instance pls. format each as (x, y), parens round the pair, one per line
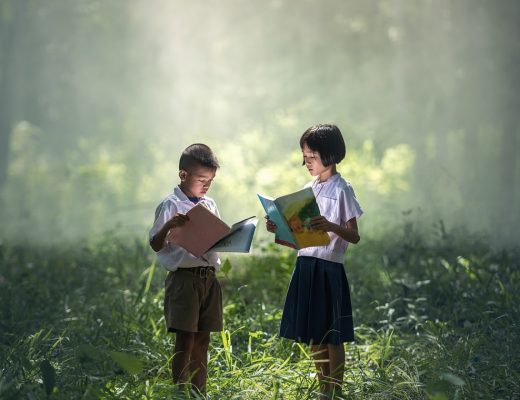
(7, 89)
(508, 204)
(508, 172)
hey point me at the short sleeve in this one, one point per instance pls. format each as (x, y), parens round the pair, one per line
(163, 213)
(348, 204)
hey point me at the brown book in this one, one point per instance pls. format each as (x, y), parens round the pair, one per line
(205, 231)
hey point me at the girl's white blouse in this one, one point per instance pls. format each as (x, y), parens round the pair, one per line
(338, 204)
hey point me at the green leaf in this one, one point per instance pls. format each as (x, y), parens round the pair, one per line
(48, 376)
(127, 362)
(226, 267)
(151, 270)
(453, 379)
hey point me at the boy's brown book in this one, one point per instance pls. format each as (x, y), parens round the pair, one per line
(204, 231)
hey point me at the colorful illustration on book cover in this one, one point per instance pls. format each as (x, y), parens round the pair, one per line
(298, 216)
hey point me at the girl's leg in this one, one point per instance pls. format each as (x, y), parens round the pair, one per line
(184, 342)
(336, 367)
(320, 354)
(199, 361)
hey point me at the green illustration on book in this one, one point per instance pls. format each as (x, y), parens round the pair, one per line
(292, 215)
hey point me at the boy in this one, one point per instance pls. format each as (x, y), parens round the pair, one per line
(193, 297)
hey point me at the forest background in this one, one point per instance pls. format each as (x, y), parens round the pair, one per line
(99, 98)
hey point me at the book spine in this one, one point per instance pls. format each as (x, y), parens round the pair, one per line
(284, 243)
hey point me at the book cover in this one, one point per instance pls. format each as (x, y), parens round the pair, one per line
(292, 214)
(205, 230)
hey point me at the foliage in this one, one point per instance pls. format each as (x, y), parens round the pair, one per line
(101, 193)
(436, 318)
(98, 99)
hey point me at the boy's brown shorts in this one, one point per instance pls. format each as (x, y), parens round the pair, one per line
(193, 300)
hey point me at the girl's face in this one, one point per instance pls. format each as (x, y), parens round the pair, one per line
(313, 161)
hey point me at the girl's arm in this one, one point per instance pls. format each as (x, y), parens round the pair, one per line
(270, 225)
(349, 232)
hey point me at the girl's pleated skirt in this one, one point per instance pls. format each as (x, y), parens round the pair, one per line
(317, 308)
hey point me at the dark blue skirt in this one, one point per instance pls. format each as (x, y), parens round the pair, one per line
(317, 308)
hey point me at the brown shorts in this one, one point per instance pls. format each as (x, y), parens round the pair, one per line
(192, 301)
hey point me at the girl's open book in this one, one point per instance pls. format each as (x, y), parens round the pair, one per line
(292, 214)
(205, 231)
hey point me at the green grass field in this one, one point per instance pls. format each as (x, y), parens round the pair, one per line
(436, 318)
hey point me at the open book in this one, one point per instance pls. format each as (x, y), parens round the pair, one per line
(205, 231)
(292, 214)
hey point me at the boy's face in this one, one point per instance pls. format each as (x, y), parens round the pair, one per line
(196, 181)
(312, 161)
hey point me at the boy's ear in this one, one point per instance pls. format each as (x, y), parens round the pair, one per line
(183, 174)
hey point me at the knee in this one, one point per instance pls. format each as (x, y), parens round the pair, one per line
(202, 341)
(320, 351)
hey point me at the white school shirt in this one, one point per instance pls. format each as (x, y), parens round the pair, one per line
(338, 204)
(172, 256)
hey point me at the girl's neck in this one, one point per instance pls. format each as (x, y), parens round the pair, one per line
(325, 175)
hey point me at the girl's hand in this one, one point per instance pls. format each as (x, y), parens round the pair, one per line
(322, 224)
(270, 225)
(177, 221)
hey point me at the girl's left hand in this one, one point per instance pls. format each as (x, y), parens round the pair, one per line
(321, 223)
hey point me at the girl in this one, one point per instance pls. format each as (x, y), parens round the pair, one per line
(317, 308)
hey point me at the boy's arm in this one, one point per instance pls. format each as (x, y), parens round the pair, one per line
(157, 240)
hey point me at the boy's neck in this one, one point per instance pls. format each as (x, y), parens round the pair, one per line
(188, 194)
(325, 175)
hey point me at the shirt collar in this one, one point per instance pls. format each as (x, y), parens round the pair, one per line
(333, 178)
(182, 196)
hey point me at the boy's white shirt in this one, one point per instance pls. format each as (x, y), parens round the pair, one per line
(338, 204)
(172, 256)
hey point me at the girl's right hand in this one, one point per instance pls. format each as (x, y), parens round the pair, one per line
(270, 225)
(177, 221)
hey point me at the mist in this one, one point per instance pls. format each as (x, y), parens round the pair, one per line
(98, 100)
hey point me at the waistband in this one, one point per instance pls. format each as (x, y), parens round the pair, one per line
(202, 271)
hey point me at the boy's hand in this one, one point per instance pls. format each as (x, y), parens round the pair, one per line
(270, 225)
(322, 224)
(177, 221)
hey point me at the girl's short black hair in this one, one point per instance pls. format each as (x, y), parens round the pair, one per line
(325, 139)
(198, 154)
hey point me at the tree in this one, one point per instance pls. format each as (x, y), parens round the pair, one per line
(10, 25)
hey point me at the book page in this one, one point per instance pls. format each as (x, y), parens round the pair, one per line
(239, 239)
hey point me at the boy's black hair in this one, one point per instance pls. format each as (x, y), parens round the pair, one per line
(325, 139)
(198, 154)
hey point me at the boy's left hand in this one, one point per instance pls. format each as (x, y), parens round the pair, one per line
(321, 223)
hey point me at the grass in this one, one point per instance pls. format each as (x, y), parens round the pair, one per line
(436, 318)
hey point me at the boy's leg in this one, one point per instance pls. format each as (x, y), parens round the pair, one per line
(199, 360)
(336, 367)
(320, 354)
(184, 343)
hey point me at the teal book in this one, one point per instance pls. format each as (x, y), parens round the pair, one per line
(292, 214)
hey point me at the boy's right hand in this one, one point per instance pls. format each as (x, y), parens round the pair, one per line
(270, 225)
(177, 221)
